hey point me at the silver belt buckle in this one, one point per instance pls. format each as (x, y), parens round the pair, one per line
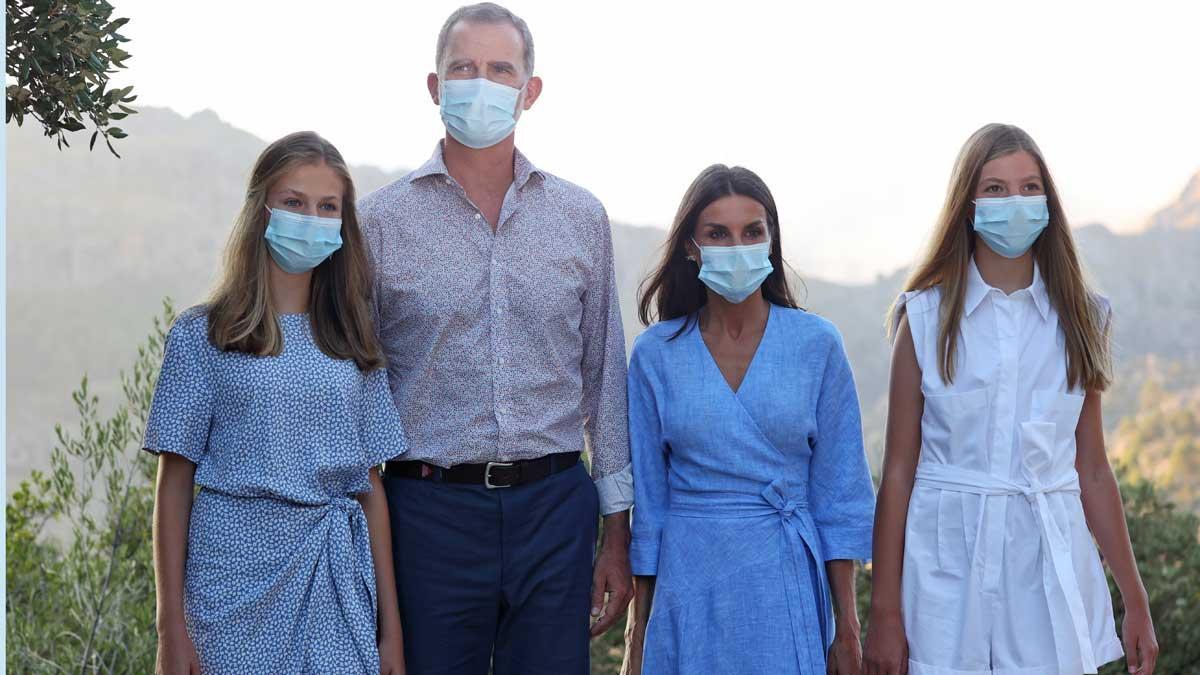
(487, 475)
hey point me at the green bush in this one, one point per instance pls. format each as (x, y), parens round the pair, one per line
(80, 573)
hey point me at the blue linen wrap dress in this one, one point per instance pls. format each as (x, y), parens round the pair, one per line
(279, 575)
(741, 498)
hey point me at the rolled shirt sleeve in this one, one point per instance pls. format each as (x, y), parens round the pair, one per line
(604, 373)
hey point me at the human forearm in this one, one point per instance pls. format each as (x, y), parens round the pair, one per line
(374, 504)
(643, 598)
(841, 586)
(1105, 517)
(887, 554)
(172, 513)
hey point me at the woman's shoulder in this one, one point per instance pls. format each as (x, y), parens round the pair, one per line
(807, 325)
(919, 301)
(191, 321)
(659, 338)
(659, 334)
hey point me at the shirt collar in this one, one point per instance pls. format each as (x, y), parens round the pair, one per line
(523, 169)
(977, 290)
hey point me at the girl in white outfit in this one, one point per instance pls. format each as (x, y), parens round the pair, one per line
(995, 478)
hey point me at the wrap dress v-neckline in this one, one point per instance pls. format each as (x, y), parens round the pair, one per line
(753, 357)
(742, 496)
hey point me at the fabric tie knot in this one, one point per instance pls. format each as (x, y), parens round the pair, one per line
(786, 505)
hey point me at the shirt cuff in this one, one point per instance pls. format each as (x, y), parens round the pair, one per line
(846, 543)
(616, 491)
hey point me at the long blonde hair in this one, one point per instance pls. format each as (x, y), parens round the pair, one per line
(945, 263)
(241, 317)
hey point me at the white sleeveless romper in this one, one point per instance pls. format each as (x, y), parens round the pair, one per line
(1001, 574)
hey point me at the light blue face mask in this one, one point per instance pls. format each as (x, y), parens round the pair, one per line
(298, 242)
(1010, 225)
(734, 272)
(478, 113)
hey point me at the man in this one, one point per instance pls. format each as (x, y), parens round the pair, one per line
(497, 308)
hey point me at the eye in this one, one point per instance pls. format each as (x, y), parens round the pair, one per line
(993, 189)
(330, 207)
(1033, 187)
(717, 234)
(292, 202)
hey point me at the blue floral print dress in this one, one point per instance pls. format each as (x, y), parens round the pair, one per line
(279, 575)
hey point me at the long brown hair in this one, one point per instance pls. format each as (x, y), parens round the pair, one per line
(674, 289)
(945, 263)
(241, 317)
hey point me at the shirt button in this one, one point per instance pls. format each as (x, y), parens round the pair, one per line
(501, 360)
(478, 216)
(449, 182)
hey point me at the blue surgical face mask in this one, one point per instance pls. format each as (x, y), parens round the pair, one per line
(1010, 225)
(478, 113)
(298, 242)
(734, 272)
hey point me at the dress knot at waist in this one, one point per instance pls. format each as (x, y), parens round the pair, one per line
(960, 479)
(1076, 652)
(770, 501)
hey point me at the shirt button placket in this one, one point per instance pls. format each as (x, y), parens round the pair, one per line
(496, 283)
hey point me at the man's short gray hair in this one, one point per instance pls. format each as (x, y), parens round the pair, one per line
(485, 12)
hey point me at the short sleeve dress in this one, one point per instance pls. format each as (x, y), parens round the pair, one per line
(279, 575)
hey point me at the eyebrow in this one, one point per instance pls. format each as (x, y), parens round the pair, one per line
(1000, 180)
(301, 194)
(756, 221)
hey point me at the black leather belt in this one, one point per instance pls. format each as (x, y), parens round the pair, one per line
(489, 474)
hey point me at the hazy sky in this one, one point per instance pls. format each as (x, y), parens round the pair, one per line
(852, 112)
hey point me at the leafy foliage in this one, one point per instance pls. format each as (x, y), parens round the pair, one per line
(84, 601)
(61, 54)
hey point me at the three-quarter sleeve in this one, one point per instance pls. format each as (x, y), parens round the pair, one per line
(603, 373)
(649, 453)
(181, 411)
(841, 496)
(380, 430)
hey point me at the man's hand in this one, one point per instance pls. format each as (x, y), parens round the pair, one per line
(612, 576)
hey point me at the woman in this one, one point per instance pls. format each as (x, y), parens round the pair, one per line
(273, 399)
(995, 478)
(752, 494)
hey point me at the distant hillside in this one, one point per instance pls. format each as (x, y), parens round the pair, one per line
(1183, 213)
(94, 243)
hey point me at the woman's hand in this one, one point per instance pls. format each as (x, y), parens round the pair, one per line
(1137, 632)
(845, 654)
(887, 646)
(635, 640)
(176, 653)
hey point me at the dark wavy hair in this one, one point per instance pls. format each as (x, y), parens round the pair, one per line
(674, 288)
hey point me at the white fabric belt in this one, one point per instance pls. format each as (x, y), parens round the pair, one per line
(1069, 619)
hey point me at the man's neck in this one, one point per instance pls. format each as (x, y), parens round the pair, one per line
(487, 168)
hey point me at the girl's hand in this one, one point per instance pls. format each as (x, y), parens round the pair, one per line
(176, 654)
(391, 655)
(845, 655)
(887, 646)
(635, 639)
(1137, 632)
